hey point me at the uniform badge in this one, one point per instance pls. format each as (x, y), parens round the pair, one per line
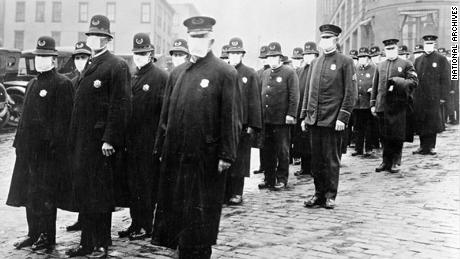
(399, 69)
(244, 79)
(435, 64)
(43, 93)
(368, 75)
(145, 87)
(41, 43)
(97, 83)
(279, 79)
(333, 67)
(139, 41)
(204, 83)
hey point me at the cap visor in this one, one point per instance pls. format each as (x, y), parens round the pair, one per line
(43, 52)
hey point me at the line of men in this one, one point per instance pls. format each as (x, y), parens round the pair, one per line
(181, 142)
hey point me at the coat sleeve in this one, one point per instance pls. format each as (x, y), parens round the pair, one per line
(162, 124)
(230, 122)
(119, 103)
(255, 105)
(375, 87)
(304, 104)
(410, 80)
(17, 143)
(350, 91)
(293, 94)
(62, 114)
(445, 79)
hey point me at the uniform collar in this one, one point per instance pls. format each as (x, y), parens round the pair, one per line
(46, 73)
(144, 69)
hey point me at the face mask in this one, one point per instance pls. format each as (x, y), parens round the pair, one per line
(355, 62)
(94, 42)
(375, 59)
(362, 61)
(43, 64)
(402, 57)
(80, 64)
(198, 47)
(428, 48)
(273, 61)
(308, 58)
(327, 44)
(391, 53)
(296, 63)
(141, 60)
(416, 55)
(178, 60)
(234, 59)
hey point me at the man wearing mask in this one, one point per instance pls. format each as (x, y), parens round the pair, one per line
(374, 53)
(99, 117)
(332, 77)
(403, 52)
(179, 52)
(251, 121)
(297, 58)
(224, 53)
(147, 90)
(394, 82)
(280, 100)
(302, 136)
(40, 176)
(197, 141)
(433, 91)
(354, 55)
(418, 51)
(362, 110)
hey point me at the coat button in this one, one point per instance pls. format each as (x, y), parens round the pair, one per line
(266, 95)
(266, 106)
(268, 86)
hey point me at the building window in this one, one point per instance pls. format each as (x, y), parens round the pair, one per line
(111, 11)
(415, 24)
(145, 12)
(83, 12)
(19, 39)
(57, 11)
(56, 35)
(82, 36)
(40, 11)
(20, 11)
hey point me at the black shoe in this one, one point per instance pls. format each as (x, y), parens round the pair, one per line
(314, 201)
(139, 235)
(368, 154)
(43, 242)
(357, 153)
(75, 227)
(279, 186)
(155, 241)
(235, 200)
(78, 251)
(258, 171)
(126, 232)
(382, 167)
(330, 204)
(98, 252)
(28, 241)
(419, 151)
(300, 173)
(431, 152)
(265, 185)
(395, 168)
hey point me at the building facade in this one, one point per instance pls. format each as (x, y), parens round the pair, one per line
(183, 11)
(367, 23)
(68, 20)
(2, 21)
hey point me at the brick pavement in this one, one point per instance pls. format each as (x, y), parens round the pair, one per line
(378, 215)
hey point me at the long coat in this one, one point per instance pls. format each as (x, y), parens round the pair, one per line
(258, 139)
(251, 117)
(199, 125)
(148, 86)
(100, 113)
(396, 105)
(40, 178)
(433, 72)
(365, 76)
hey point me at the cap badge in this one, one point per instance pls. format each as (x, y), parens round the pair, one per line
(97, 83)
(41, 43)
(197, 21)
(434, 64)
(234, 43)
(79, 45)
(279, 79)
(95, 22)
(263, 49)
(139, 41)
(368, 75)
(272, 47)
(177, 43)
(333, 67)
(307, 47)
(204, 83)
(399, 69)
(244, 79)
(43, 93)
(145, 87)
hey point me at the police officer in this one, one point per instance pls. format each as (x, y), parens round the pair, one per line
(332, 77)
(280, 100)
(99, 117)
(391, 98)
(179, 52)
(297, 58)
(40, 176)
(433, 91)
(251, 121)
(403, 52)
(374, 53)
(418, 51)
(302, 137)
(362, 110)
(224, 53)
(197, 140)
(354, 55)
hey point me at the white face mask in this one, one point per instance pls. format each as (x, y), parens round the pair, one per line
(375, 59)
(362, 61)
(391, 53)
(428, 48)
(94, 42)
(308, 58)
(404, 57)
(416, 55)
(178, 60)
(355, 62)
(43, 64)
(234, 58)
(296, 63)
(80, 64)
(327, 44)
(198, 47)
(273, 61)
(141, 60)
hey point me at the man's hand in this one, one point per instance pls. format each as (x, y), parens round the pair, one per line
(223, 165)
(339, 126)
(290, 119)
(107, 149)
(303, 125)
(250, 130)
(373, 111)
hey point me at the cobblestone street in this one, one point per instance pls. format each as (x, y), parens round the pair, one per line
(378, 215)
